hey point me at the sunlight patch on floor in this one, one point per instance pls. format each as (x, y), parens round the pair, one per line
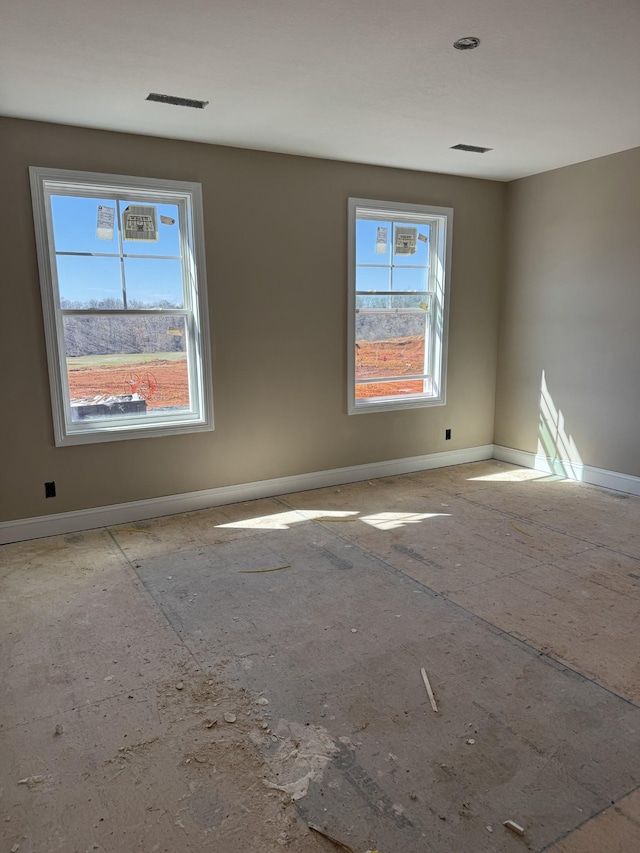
(393, 520)
(284, 520)
(522, 475)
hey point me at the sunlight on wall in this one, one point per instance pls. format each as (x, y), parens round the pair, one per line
(284, 520)
(556, 448)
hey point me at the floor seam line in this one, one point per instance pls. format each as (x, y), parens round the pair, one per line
(144, 593)
(570, 832)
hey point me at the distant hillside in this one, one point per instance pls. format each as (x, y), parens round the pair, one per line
(111, 334)
(378, 327)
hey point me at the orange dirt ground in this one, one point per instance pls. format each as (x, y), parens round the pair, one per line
(170, 378)
(391, 358)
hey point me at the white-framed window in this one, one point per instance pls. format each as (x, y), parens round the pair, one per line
(399, 265)
(124, 297)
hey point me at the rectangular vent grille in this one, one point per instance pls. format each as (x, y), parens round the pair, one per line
(476, 149)
(176, 102)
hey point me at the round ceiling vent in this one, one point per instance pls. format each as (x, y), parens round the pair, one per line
(466, 43)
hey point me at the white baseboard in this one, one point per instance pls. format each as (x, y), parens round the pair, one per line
(569, 470)
(106, 516)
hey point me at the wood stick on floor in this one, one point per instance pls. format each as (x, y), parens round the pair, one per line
(324, 834)
(432, 698)
(262, 571)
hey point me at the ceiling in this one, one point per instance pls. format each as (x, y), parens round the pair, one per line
(553, 82)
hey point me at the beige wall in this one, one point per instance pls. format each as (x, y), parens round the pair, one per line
(278, 321)
(571, 309)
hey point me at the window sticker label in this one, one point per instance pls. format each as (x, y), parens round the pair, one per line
(405, 240)
(382, 235)
(139, 224)
(423, 237)
(167, 220)
(104, 225)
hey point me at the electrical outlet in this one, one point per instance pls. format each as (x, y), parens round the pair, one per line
(447, 434)
(50, 490)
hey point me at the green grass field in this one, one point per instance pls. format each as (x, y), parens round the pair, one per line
(81, 362)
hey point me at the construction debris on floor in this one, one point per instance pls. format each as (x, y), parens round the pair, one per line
(454, 670)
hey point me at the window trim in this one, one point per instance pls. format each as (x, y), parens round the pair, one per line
(188, 197)
(396, 210)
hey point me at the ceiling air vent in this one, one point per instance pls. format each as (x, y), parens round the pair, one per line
(176, 102)
(467, 43)
(476, 149)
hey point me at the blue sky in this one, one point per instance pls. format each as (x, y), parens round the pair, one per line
(152, 280)
(148, 280)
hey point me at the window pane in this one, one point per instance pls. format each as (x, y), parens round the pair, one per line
(167, 230)
(153, 283)
(120, 366)
(75, 224)
(404, 278)
(410, 243)
(373, 278)
(390, 344)
(89, 282)
(373, 241)
(373, 390)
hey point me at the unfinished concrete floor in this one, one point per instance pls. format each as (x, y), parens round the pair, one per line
(161, 691)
